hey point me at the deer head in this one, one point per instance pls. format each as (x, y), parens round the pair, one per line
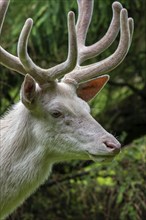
(56, 98)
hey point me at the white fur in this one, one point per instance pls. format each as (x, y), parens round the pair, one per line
(32, 140)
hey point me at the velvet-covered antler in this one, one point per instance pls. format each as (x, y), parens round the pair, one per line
(23, 63)
(120, 21)
(78, 52)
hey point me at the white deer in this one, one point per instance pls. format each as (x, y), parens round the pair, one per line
(52, 120)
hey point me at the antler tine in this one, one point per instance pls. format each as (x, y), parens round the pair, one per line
(131, 29)
(85, 10)
(44, 75)
(85, 13)
(90, 71)
(7, 59)
(10, 61)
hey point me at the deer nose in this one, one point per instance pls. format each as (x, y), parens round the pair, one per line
(114, 146)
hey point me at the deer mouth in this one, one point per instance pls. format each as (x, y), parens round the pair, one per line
(105, 157)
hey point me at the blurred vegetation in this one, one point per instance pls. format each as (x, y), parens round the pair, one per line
(85, 190)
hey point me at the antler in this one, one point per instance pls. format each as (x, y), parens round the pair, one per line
(23, 63)
(120, 20)
(84, 19)
(43, 75)
(76, 56)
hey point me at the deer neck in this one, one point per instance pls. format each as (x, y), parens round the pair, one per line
(18, 141)
(24, 164)
(16, 128)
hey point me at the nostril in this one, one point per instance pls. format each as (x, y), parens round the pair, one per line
(110, 145)
(114, 146)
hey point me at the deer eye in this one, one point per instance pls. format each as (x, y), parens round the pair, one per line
(56, 114)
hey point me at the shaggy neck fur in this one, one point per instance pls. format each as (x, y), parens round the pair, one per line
(23, 163)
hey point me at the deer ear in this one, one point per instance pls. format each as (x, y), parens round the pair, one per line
(28, 91)
(88, 90)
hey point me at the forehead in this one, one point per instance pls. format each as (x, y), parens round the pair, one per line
(65, 89)
(64, 95)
